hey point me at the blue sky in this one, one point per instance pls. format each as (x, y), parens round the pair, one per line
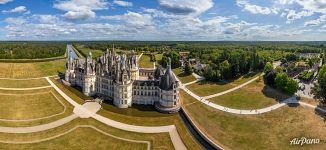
(196, 20)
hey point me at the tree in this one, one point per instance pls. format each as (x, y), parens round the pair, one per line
(281, 81)
(310, 63)
(225, 69)
(188, 68)
(269, 78)
(320, 87)
(268, 67)
(286, 84)
(291, 87)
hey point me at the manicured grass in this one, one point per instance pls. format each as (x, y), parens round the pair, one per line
(273, 130)
(145, 62)
(86, 138)
(158, 57)
(253, 96)
(85, 51)
(184, 78)
(205, 88)
(23, 83)
(29, 106)
(71, 92)
(148, 116)
(31, 70)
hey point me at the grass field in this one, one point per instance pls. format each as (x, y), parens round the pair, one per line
(85, 51)
(31, 70)
(86, 138)
(71, 92)
(29, 105)
(273, 130)
(145, 62)
(184, 78)
(205, 88)
(23, 83)
(253, 96)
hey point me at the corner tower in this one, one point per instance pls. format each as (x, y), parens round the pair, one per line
(89, 76)
(169, 92)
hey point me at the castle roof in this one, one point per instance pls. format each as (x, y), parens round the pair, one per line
(168, 79)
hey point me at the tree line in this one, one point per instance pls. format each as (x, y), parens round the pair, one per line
(31, 50)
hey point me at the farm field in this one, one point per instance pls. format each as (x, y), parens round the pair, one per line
(205, 88)
(254, 131)
(253, 96)
(31, 70)
(5, 83)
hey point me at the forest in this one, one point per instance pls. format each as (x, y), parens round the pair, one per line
(31, 50)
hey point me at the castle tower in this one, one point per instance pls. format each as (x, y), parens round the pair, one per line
(168, 92)
(69, 68)
(134, 66)
(122, 84)
(89, 76)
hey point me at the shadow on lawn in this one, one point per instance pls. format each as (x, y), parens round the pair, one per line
(224, 82)
(321, 113)
(274, 93)
(136, 110)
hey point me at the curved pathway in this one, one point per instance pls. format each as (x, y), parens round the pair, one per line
(76, 127)
(38, 128)
(171, 129)
(22, 79)
(25, 89)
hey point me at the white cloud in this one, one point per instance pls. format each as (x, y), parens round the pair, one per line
(255, 9)
(134, 19)
(122, 3)
(47, 19)
(80, 9)
(317, 22)
(15, 21)
(292, 15)
(186, 7)
(19, 9)
(318, 6)
(5, 1)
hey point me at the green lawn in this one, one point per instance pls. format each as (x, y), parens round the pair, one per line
(72, 92)
(145, 62)
(31, 70)
(29, 106)
(253, 96)
(85, 51)
(273, 130)
(184, 78)
(205, 88)
(86, 138)
(148, 116)
(158, 57)
(23, 83)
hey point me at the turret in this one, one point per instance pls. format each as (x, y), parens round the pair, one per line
(169, 92)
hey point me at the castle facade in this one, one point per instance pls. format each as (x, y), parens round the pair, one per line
(118, 78)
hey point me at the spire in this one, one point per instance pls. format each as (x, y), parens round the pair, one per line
(90, 54)
(169, 64)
